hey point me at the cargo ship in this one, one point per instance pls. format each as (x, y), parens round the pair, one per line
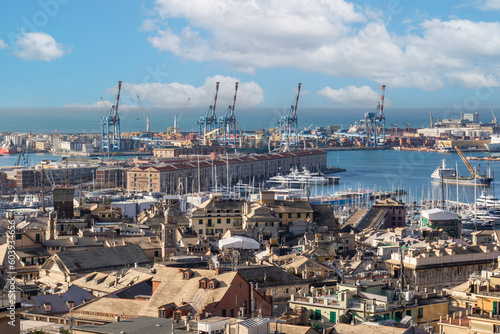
(450, 176)
(8, 148)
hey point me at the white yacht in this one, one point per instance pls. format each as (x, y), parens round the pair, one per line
(494, 145)
(299, 179)
(488, 201)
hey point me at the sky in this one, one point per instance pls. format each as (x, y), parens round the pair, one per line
(69, 53)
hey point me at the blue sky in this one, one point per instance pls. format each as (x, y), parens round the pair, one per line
(69, 53)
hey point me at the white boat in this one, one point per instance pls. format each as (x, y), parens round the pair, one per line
(32, 201)
(494, 145)
(347, 197)
(488, 201)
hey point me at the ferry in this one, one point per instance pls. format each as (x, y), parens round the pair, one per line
(494, 145)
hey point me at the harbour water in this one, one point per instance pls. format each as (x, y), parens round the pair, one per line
(385, 170)
(408, 170)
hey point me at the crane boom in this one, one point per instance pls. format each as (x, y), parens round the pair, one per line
(146, 118)
(183, 109)
(296, 103)
(495, 119)
(118, 97)
(215, 101)
(234, 98)
(466, 162)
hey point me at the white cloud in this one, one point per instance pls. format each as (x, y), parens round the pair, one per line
(3, 45)
(489, 4)
(352, 96)
(334, 37)
(148, 25)
(39, 46)
(176, 94)
(473, 80)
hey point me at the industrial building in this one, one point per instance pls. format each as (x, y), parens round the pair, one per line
(181, 178)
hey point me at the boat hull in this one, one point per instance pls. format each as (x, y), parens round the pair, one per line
(493, 147)
(8, 151)
(465, 181)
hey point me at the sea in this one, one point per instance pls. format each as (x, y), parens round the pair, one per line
(378, 170)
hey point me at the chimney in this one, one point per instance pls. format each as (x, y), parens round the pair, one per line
(117, 318)
(217, 271)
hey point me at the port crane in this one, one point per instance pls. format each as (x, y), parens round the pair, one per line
(146, 118)
(495, 119)
(208, 122)
(110, 125)
(227, 122)
(288, 126)
(373, 122)
(395, 126)
(408, 127)
(178, 119)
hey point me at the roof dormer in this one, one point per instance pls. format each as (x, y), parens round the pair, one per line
(187, 273)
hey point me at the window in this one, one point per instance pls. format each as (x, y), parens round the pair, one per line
(200, 221)
(408, 312)
(245, 310)
(185, 276)
(307, 214)
(459, 270)
(228, 221)
(224, 312)
(18, 236)
(231, 312)
(37, 237)
(219, 221)
(209, 222)
(200, 231)
(298, 215)
(289, 215)
(420, 313)
(280, 215)
(156, 253)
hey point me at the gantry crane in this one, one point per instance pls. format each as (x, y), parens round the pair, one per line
(227, 122)
(111, 127)
(288, 126)
(146, 117)
(375, 121)
(178, 119)
(395, 127)
(208, 122)
(495, 119)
